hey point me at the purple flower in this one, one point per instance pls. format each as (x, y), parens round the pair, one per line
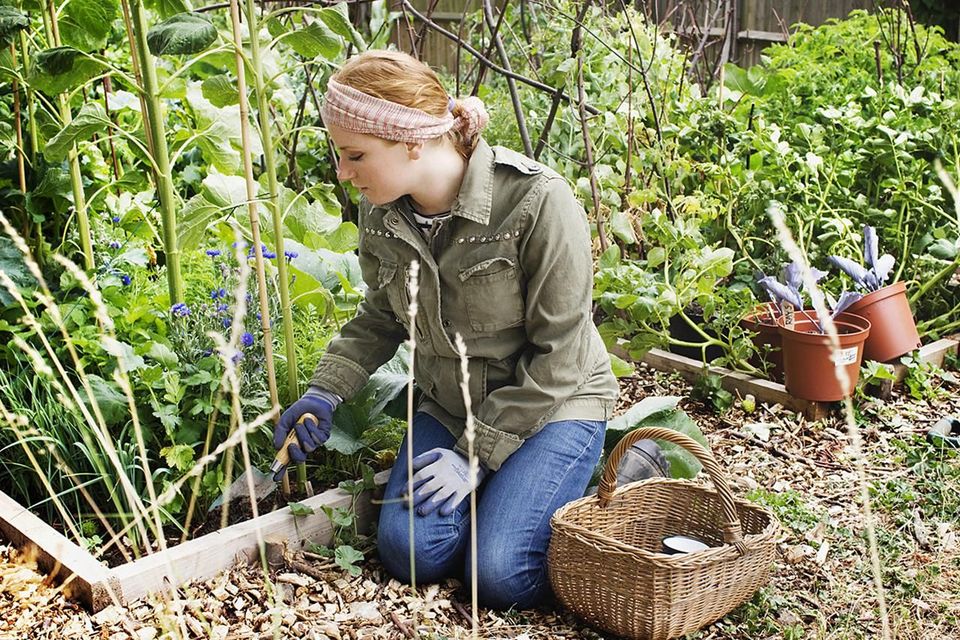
(247, 339)
(237, 357)
(213, 253)
(125, 279)
(222, 308)
(226, 322)
(269, 255)
(114, 244)
(290, 255)
(217, 294)
(115, 219)
(180, 310)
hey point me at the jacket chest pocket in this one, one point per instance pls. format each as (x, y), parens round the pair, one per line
(493, 294)
(392, 278)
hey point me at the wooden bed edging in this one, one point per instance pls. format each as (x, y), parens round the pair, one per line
(734, 381)
(773, 392)
(98, 586)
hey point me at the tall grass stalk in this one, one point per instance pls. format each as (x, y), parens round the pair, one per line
(810, 284)
(470, 433)
(92, 414)
(413, 288)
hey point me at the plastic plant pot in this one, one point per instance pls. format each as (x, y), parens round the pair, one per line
(810, 369)
(763, 324)
(945, 433)
(893, 331)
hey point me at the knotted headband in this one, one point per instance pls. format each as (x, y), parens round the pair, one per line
(358, 112)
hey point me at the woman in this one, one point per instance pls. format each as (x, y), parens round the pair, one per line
(504, 258)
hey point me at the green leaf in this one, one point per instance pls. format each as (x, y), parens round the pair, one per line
(13, 264)
(91, 119)
(327, 267)
(167, 8)
(632, 417)
(656, 256)
(299, 509)
(338, 515)
(621, 368)
(384, 385)
(12, 21)
(182, 34)
(163, 354)
(194, 218)
(611, 257)
(943, 249)
(112, 403)
(220, 90)
(622, 227)
(127, 360)
(313, 41)
(338, 19)
(346, 558)
(61, 69)
(178, 456)
(86, 24)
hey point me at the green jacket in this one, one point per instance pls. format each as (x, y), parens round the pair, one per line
(511, 271)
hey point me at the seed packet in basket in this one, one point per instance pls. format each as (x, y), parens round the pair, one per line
(607, 563)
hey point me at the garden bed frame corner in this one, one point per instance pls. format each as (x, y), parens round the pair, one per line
(97, 586)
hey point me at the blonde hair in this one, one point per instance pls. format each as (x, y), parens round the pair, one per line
(401, 78)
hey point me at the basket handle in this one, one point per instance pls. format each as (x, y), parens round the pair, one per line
(732, 530)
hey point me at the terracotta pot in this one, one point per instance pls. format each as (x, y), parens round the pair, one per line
(892, 329)
(809, 371)
(766, 339)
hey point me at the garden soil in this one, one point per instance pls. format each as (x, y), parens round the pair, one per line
(821, 587)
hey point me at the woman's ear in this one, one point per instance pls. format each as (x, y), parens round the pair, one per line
(414, 150)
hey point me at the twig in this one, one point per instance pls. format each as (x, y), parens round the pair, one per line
(401, 625)
(494, 66)
(511, 83)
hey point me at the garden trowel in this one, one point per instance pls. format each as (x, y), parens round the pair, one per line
(263, 483)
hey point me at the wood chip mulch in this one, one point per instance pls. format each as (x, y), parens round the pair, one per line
(821, 587)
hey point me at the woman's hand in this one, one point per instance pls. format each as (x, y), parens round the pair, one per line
(442, 480)
(310, 433)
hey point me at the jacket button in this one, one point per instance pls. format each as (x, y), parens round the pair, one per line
(447, 324)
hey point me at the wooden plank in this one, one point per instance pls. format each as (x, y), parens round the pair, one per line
(761, 36)
(934, 353)
(85, 578)
(204, 557)
(762, 390)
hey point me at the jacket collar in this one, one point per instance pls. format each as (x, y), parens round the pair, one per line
(475, 198)
(476, 192)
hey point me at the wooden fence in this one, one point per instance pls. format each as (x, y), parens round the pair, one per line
(734, 30)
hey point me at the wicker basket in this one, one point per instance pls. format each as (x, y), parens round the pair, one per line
(605, 559)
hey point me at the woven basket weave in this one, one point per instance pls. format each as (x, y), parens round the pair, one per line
(605, 559)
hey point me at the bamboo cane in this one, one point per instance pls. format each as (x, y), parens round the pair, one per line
(254, 213)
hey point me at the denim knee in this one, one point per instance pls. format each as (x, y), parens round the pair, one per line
(503, 581)
(437, 547)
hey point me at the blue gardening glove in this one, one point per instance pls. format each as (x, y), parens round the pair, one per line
(442, 479)
(310, 434)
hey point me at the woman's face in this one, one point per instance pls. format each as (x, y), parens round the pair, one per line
(380, 169)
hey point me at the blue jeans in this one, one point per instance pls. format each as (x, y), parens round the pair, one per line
(514, 506)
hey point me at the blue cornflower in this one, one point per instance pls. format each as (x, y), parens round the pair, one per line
(237, 357)
(125, 279)
(222, 308)
(290, 255)
(114, 244)
(181, 310)
(218, 294)
(115, 219)
(226, 322)
(269, 255)
(213, 253)
(239, 244)
(247, 339)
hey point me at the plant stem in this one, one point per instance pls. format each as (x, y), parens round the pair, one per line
(158, 146)
(76, 177)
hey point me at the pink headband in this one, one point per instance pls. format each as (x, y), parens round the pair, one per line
(359, 112)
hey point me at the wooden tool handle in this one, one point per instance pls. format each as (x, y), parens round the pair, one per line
(282, 458)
